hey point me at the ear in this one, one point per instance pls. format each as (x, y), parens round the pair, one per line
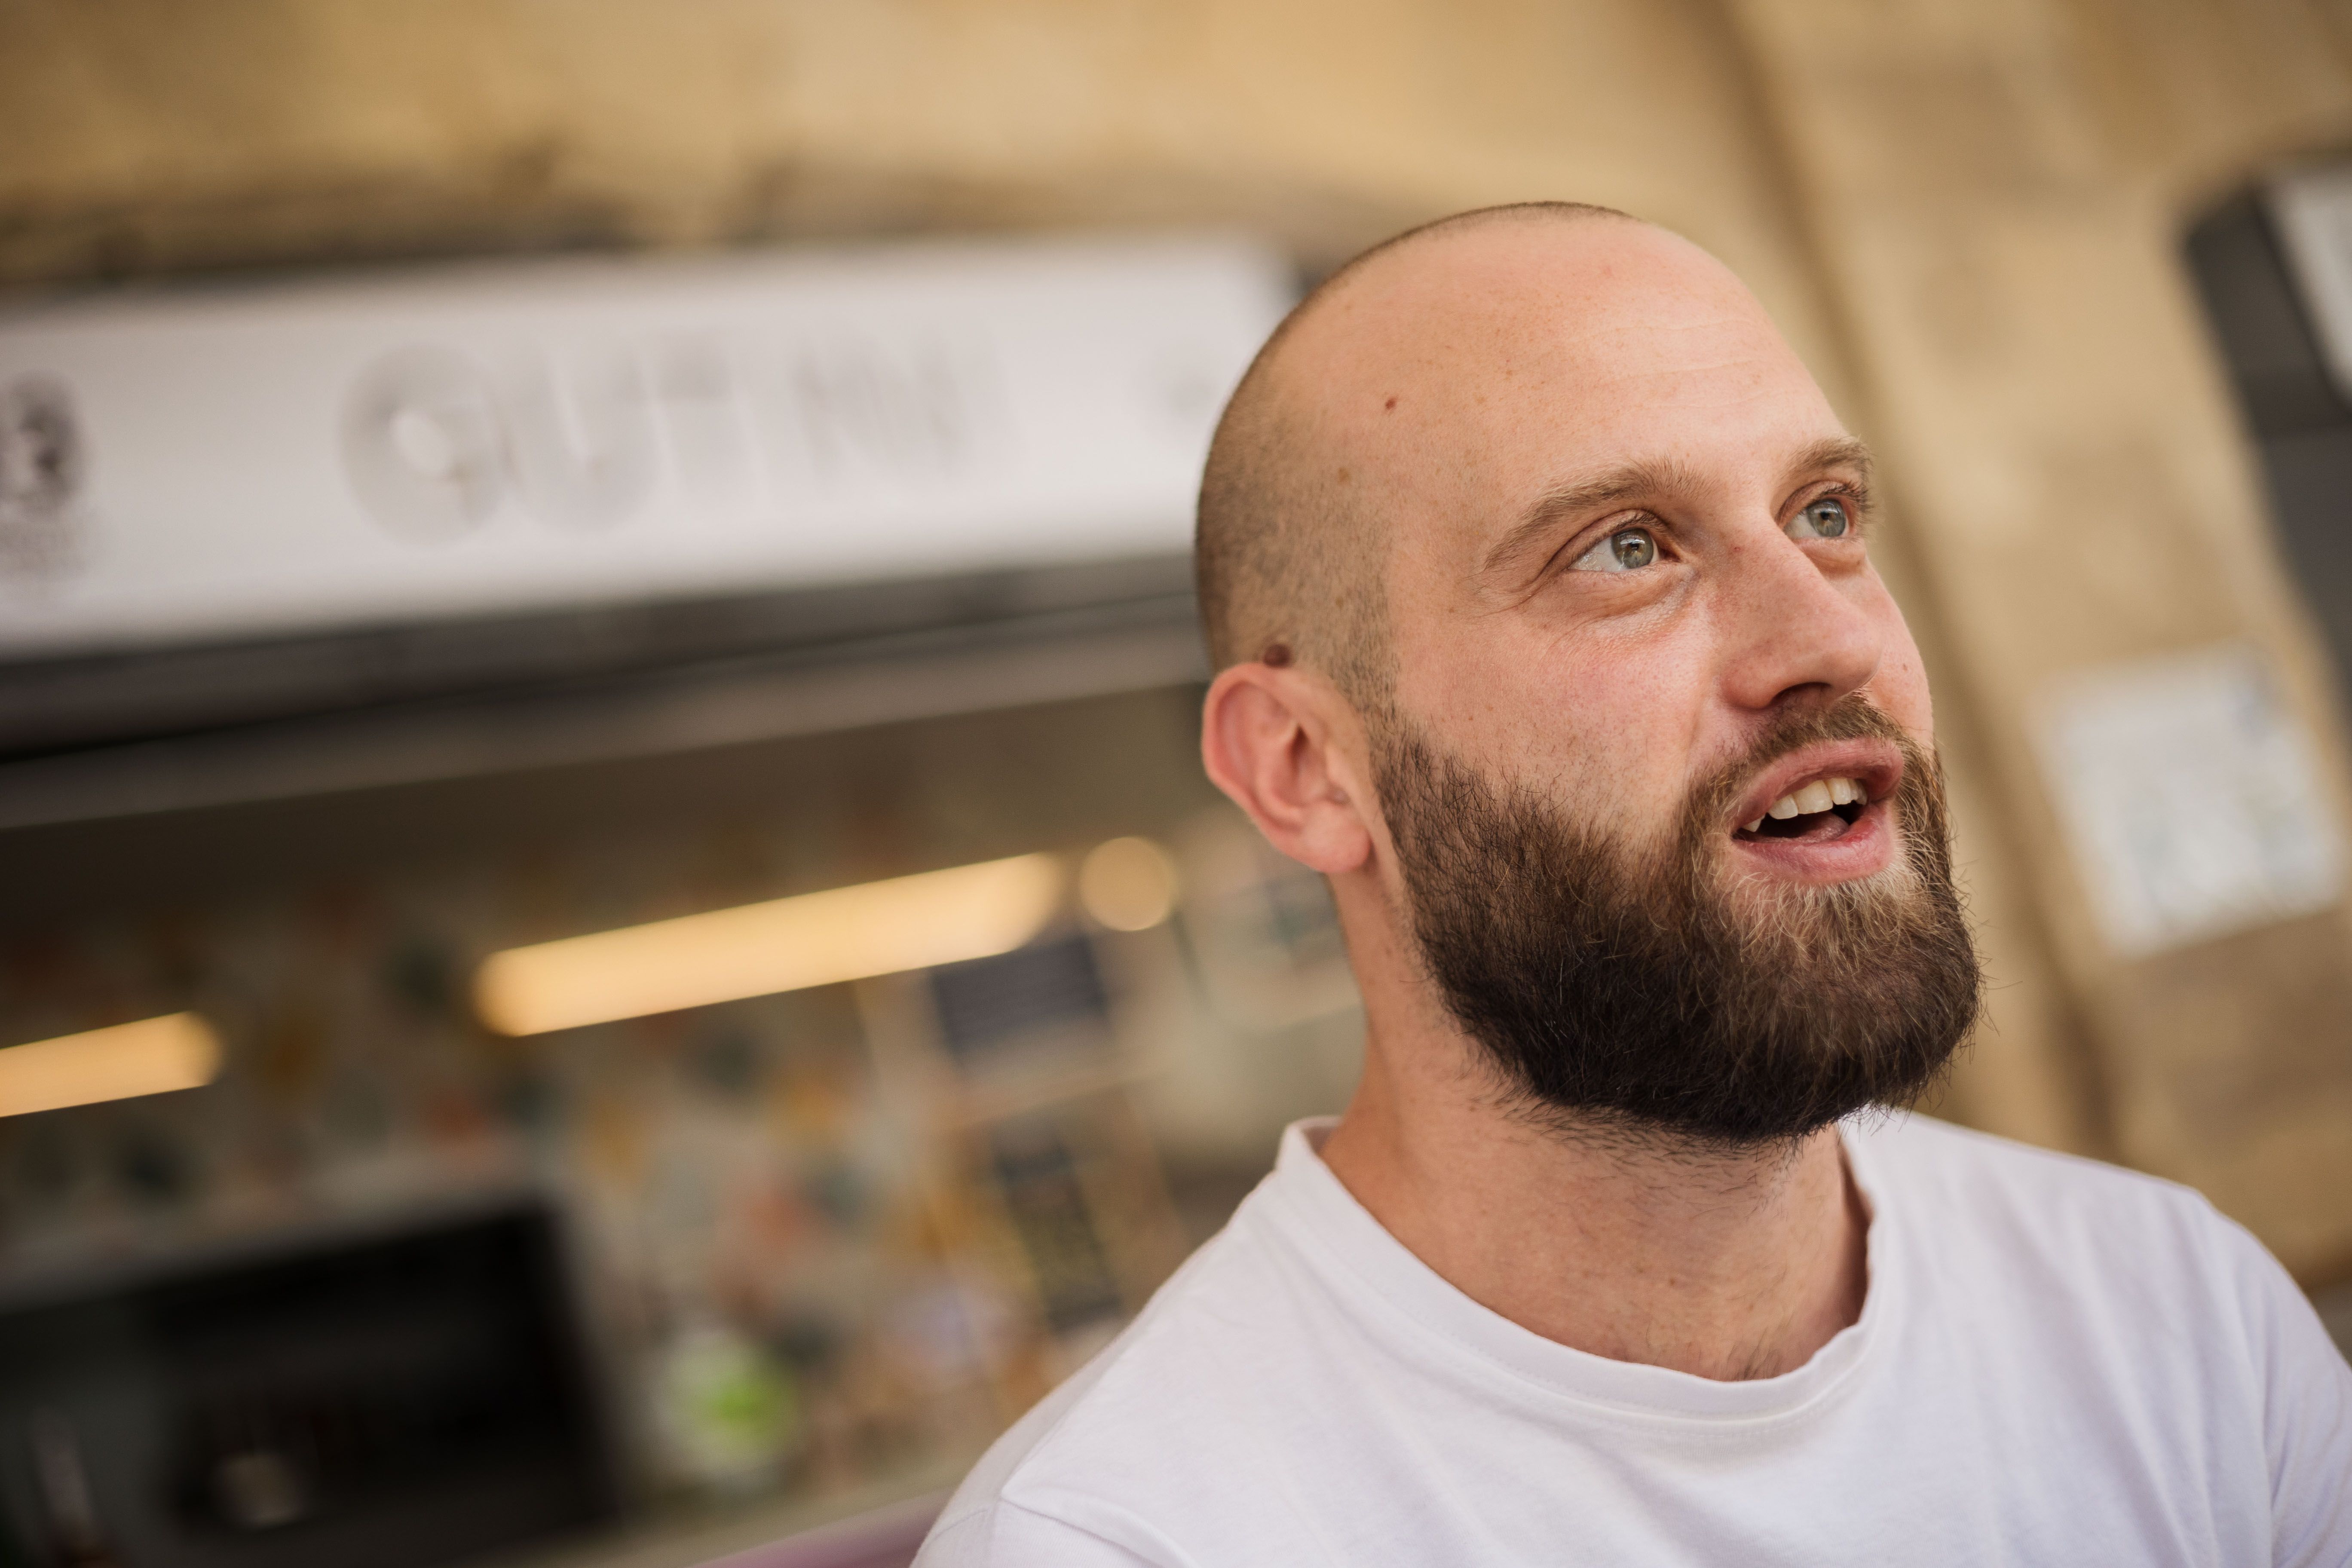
(1268, 738)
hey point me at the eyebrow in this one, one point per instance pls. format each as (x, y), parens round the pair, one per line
(1544, 516)
(1836, 452)
(1634, 480)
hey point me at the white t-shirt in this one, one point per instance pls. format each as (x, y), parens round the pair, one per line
(2056, 1362)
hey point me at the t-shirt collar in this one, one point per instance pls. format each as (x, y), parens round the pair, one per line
(1376, 1277)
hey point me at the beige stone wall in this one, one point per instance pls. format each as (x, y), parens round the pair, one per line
(1966, 214)
(137, 134)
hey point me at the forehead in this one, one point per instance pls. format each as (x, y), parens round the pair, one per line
(1467, 373)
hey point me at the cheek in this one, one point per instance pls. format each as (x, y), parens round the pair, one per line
(1900, 686)
(1600, 723)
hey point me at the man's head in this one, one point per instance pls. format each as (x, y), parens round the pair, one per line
(1533, 563)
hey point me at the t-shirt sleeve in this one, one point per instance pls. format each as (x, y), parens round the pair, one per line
(1006, 1535)
(2307, 1416)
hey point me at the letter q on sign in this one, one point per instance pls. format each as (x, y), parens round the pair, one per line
(424, 444)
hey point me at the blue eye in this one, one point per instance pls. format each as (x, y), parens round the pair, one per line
(1627, 550)
(1824, 518)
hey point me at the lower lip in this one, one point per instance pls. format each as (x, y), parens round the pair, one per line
(1865, 846)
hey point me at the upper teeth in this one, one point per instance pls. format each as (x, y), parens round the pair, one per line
(1819, 796)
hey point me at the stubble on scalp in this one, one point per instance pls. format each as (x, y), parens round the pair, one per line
(1291, 547)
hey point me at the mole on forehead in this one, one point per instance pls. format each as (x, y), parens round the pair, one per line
(1416, 364)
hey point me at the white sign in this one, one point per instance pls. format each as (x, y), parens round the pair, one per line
(236, 461)
(2191, 798)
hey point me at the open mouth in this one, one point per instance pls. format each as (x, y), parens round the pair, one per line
(1822, 809)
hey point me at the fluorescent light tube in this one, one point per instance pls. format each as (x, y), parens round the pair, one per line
(153, 1056)
(815, 939)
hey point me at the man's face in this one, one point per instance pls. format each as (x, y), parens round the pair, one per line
(1628, 531)
(1648, 681)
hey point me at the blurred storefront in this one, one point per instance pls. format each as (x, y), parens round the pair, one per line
(827, 1241)
(811, 634)
(378, 616)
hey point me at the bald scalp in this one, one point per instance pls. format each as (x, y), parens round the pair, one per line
(1290, 545)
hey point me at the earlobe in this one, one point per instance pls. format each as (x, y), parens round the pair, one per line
(1267, 739)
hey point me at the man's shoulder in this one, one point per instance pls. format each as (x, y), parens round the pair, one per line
(2076, 1214)
(2137, 1291)
(1923, 1149)
(1178, 1368)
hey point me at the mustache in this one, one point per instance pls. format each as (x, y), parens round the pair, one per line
(1853, 716)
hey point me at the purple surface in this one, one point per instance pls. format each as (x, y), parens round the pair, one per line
(885, 1538)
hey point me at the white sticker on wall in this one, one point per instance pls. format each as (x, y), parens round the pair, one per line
(2191, 798)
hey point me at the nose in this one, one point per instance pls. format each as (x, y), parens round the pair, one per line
(1793, 635)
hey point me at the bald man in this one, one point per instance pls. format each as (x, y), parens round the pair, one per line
(1537, 574)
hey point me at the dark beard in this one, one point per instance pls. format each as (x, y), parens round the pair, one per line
(1641, 995)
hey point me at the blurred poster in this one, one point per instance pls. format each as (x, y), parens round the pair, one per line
(208, 463)
(2191, 798)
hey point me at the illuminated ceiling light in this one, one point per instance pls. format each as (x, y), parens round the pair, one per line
(815, 939)
(153, 1056)
(1128, 884)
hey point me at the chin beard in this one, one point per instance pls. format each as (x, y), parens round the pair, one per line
(1659, 995)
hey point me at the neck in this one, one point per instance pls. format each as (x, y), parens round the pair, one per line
(1727, 1264)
